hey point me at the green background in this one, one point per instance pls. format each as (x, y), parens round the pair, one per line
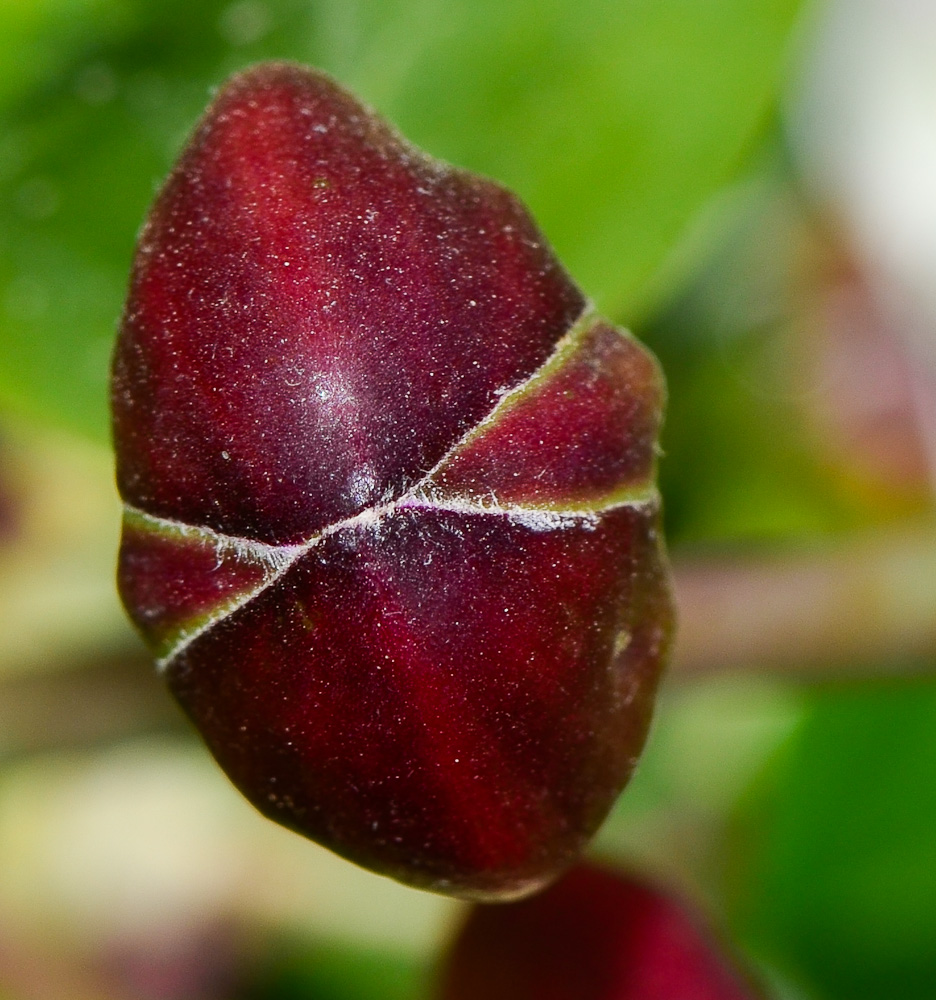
(644, 135)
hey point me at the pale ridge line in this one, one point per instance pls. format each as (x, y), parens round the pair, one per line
(647, 498)
(268, 550)
(185, 640)
(534, 518)
(282, 557)
(538, 518)
(294, 553)
(564, 346)
(264, 551)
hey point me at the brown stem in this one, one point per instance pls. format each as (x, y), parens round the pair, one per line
(864, 606)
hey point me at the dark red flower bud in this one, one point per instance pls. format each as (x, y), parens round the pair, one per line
(593, 935)
(391, 521)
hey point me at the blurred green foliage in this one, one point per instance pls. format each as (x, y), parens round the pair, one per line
(613, 120)
(741, 467)
(617, 121)
(833, 858)
(334, 971)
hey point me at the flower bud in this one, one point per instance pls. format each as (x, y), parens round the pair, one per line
(391, 523)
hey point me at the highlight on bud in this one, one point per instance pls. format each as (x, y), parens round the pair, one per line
(391, 522)
(594, 935)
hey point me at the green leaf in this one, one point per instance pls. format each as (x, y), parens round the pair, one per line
(834, 862)
(614, 119)
(336, 971)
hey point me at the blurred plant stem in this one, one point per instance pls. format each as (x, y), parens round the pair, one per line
(857, 607)
(90, 703)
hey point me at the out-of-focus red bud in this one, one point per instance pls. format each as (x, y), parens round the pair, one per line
(594, 935)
